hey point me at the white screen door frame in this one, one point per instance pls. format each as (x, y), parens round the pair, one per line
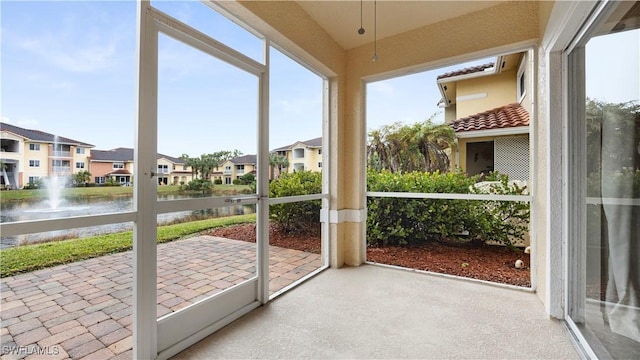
(165, 337)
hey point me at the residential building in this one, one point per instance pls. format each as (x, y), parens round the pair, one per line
(118, 165)
(29, 156)
(488, 107)
(173, 171)
(235, 168)
(302, 155)
(584, 252)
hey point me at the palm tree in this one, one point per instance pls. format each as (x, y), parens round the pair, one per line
(191, 162)
(278, 162)
(418, 147)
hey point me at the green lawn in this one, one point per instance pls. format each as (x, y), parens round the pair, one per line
(28, 258)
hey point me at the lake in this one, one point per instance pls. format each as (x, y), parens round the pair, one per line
(22, 211)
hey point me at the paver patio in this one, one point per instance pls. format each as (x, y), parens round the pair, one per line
(83, 309)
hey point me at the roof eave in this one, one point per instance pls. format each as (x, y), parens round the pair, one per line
(518, 130)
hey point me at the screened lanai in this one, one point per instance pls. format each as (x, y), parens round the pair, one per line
(601, 321)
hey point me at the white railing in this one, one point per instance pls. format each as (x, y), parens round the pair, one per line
(61, 153)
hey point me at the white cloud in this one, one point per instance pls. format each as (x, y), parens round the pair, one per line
(97, 54)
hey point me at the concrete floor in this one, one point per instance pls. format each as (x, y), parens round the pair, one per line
(376, 312)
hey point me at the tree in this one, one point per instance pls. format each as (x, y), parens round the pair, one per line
(194, 163)
(80, 178)
(404, 148)
(624, 118)
(205, 164)
(278, 162)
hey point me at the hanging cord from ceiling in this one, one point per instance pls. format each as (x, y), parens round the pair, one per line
(375, 30)
(361, 30)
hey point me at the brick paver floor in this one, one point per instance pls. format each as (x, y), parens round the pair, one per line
(83, 309)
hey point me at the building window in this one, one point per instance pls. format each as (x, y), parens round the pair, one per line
(298, 153)
(319, 151)
(79, 150)
(185, 168)
(34, 163)
(163, 169)
(320, 164)
(100, 180)
(240, 169)
(522, 83)
(34, 147)
(118, 165)
(80, 165)
(227, 180)
(298, 167)
(34, 179)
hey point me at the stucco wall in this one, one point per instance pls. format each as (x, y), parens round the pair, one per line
(500, 90)
(454, 40)
(100, 169)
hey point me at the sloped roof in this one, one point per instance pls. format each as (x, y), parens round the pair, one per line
(508, 116)
(174, 160)
(41, 136)
(245, 159)
(315, 142)
(124, 154)
(117, 154)
(119, 172)
(465, 71)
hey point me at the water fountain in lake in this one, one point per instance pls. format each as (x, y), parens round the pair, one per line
(54, 185)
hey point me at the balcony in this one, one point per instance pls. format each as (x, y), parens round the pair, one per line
(58, 170)
(57, 153)
(226, 172)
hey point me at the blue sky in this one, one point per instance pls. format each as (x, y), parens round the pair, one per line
(69, 68)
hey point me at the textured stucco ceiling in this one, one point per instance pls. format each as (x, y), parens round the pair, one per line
(341, 19)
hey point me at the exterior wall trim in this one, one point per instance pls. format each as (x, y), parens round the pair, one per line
(344, 216)
(520, 130)
(564, 23)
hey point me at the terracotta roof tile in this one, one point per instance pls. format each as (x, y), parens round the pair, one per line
(508, 116)
(465, 71)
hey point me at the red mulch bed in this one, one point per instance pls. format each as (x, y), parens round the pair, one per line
(483, 262)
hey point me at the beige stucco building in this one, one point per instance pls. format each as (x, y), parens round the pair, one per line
(488, 107)
(302, 155)
(235, 168)
(29, 156)
(118, 165)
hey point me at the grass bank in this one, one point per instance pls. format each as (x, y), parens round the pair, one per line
(109, 191)
(33, 257)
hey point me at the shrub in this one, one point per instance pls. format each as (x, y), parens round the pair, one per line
(298, 216)
(398, 221)
(503, 221)
(203, 185)
(217, 181)
(247, 179)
